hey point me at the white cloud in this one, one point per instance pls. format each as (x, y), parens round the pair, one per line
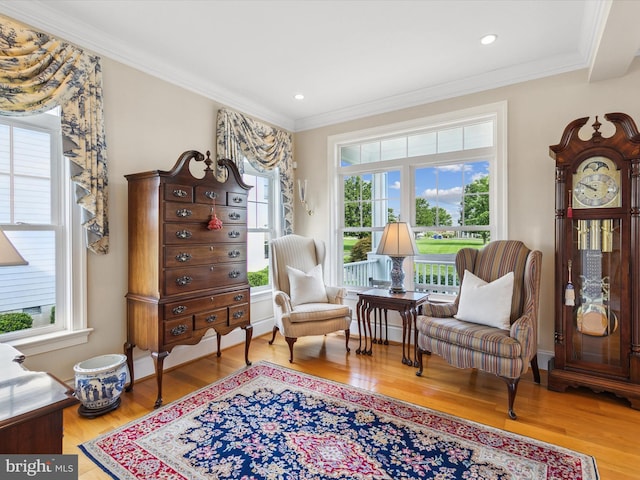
(449, 195)
(479, 175)
(457, 167)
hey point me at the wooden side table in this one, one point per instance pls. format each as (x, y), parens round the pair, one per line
(31, 405)
(407, 304)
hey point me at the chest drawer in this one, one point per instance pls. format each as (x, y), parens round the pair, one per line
(211, 319)
(189, 233)
(204, 304)
(178, 330)
(198, 212)
(208, 194)
(181, 280)
(182, 256)
(239, 315)
(236, 199)
(178, 193)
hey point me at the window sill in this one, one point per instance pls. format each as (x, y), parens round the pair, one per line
(261, 295)
(51, 341)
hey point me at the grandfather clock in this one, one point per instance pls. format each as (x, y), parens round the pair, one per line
(597, 259)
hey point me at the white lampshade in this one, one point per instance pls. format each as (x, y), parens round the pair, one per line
(397, 241)
(9, 256)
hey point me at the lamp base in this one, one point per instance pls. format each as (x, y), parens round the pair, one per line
(397, 290)
(397, 275)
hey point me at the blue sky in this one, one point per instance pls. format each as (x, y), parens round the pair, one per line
(442, 186)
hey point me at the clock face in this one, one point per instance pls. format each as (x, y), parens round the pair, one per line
(596, 184)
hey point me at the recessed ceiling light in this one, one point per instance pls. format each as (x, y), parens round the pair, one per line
(298, 96)
(488, 39)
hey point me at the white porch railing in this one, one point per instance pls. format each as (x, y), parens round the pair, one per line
(432, 273)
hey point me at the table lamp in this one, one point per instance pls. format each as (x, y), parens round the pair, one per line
(9, 256)
(397, 242)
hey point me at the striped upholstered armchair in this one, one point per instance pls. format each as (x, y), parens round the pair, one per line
(303, 304)
(475, 337)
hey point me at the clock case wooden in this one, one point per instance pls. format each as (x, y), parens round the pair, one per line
(617, 369)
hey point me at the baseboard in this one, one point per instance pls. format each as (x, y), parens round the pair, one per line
(143, 364)
(543, 359)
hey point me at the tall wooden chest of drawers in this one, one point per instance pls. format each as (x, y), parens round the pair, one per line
(185, 275)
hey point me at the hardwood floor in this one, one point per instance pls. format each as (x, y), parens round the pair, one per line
(601, 425)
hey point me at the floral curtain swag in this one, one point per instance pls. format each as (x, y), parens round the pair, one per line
(264, 146)
(38, 73)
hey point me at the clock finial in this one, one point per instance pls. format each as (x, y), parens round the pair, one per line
(596, 129)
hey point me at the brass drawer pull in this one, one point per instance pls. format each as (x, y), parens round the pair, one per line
(179, 330)
(234, 215)
(183, 234)
(234, 253)
(237, 199)
(184, 280)
(183, 257)
(211, 318)
(183, 212)
(237, 298)
(211, 195)
(239, 314)
(178, 192)
(179, 309)
(234, 273)
(234, 234)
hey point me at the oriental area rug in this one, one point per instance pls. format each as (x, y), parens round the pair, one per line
(270, 422)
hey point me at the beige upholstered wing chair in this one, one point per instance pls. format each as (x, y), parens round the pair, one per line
(303, 304)
(505, 349)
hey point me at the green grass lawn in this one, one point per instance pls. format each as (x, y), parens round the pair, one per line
(447, 245)
(428, 245)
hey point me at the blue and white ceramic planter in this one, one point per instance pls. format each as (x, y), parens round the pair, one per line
(100, 381)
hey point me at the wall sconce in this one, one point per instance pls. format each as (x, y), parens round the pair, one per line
(302, 194)
(397, 242)
(9, 256)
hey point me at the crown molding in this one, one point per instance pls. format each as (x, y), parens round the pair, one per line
(457, 88)
(38, 14)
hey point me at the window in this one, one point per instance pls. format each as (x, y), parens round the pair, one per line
(445, 175)
(262, 222)
(42, 303)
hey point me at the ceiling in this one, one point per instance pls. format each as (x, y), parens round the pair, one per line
(349, 58)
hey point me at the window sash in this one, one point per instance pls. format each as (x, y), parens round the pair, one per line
(264, 199)
(472, 123)
(60, 216)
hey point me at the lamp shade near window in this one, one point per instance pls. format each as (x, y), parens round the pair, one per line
(397, 242)
(9, 256)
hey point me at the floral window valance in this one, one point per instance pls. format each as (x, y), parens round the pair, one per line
(38, 73)
(264, 146)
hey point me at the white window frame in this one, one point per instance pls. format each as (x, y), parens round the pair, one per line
(71, 327)
(275, 220)
(498, 175)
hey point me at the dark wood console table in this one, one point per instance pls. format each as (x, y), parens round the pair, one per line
(31, 405)
(407, 304)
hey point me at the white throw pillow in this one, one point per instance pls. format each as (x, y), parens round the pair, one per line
(486, 303)
(306, 287)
